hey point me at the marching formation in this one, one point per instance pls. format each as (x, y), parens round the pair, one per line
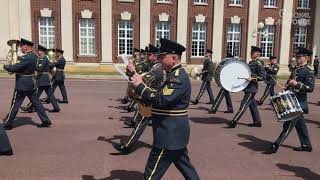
(159, 93)
(35, 72)
(163, 99)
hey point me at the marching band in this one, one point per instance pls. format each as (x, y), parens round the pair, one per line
(159, 92)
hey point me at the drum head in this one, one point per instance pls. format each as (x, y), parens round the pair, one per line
(232, 75)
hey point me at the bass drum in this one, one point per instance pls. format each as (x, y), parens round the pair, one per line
(231, 74)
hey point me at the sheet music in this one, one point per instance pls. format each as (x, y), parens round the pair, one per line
(122, 73)
(125, 59)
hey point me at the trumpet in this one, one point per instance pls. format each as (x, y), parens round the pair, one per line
(12, 57)
(52, 56)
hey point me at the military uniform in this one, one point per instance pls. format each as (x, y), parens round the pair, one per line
(258, 74)
(43, 81)
(170, 125)
(59, 77)
(271, 81)
(222, 93)
(305, 84)
(207, 75)
(25, 87)
(316, 66)
(154, 82)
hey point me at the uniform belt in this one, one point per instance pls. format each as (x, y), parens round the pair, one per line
(60, 69)
(40, 73)
(25, 75)
(167, 112)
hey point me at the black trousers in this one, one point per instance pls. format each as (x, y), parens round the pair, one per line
(137, 132)
(248, 101)
(18, 98)
(160, 160)
(4, 141)
(61, 87)
(206, 85)
(50, 95)
(222, 93)
(268, 91)
(301, 128)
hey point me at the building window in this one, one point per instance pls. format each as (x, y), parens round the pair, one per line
(233, 39)
(235, 2)
(200, 2)
(162, 31)
(199, 33)
(125, 37)
(300, 37)
(303, 4)
(270, 3)
(267, 41)
(87, 37)
(47, 32)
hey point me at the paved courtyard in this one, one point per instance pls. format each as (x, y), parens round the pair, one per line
(78, 146)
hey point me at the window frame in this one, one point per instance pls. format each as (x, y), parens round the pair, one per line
(87, 37)
(162, 31)
(200, 2)
(267, 42)
(47, 36)
(297, 36)
(303, 2)
(268, 4)
(234, 40)
(232, 3)
(198, 41)
(126, 30)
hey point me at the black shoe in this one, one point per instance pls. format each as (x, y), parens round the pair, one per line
(273, 149)
(62, 102)
(7, 153)
(209, 103)
(124, 101)
(210, 111)
(130, 124)
(7, 127)
(255, 125)
(232, 124)
(228, 112)
(45, 100)
(120, 147)
(303, 148)
(259, 103)
(54, 110)
(45, 124)
(319, 103)
(150, 123)
(194, 102)
(25, 109)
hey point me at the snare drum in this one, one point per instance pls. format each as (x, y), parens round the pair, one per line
(286, 106)
(231, 74)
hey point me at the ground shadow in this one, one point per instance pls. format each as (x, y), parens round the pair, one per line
(313, 103)
(209, 120)
(301, 172)
(313, 122)
(200, 108)
(22, 121)
(138, 145)
(254, 143)
(118, 174)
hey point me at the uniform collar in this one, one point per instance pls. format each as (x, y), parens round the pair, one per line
(174, 68)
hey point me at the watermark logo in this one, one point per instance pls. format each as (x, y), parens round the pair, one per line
(295, 18)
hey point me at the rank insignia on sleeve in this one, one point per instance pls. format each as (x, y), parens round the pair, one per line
(167, 91)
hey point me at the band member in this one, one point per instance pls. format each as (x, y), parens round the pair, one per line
(250, 91)
(169, 111)
(272, 71)
(59, 76)
(316, 66)
(5, 146)
(222, 93)
(157, 75)
(301, 82)
(207, 75)
(24, 87)
(134, 58)
(43, 80)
